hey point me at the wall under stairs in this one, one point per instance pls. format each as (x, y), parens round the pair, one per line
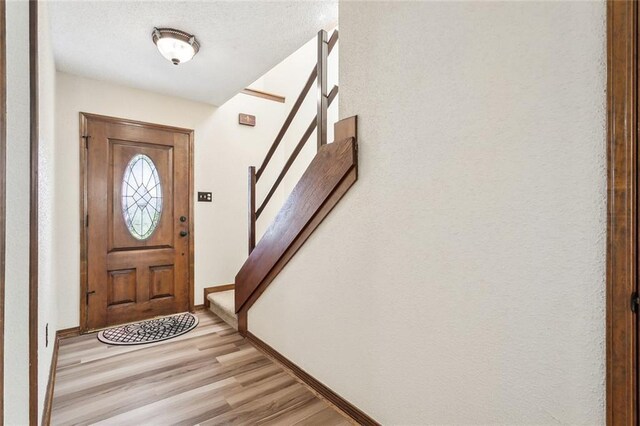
(461, 279)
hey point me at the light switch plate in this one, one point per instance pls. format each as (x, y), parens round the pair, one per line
(205, 197)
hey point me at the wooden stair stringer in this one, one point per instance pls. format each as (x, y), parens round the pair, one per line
(331, 173)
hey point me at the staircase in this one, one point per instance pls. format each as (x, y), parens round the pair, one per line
(327, 178)
(331, 173)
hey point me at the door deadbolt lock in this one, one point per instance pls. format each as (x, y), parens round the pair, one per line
(183, 218)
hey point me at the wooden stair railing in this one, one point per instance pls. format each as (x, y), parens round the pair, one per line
(324, 49)
(305, 137)
(294, 109)
(331, 173)
(327, 178)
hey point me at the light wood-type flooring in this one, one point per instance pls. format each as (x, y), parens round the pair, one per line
(209, 376)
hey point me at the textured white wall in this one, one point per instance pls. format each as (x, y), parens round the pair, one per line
(47, 285)
(223, 151)
(16, 325)
(461, 280)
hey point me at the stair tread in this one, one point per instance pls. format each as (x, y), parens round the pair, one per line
(222, 303)
(224, 300)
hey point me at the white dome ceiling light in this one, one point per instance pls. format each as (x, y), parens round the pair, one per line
(175, 45)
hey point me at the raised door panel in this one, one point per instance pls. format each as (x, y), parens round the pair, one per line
(122, 287)
(161, 282)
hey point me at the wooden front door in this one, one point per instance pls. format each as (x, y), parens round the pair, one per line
(137, 221)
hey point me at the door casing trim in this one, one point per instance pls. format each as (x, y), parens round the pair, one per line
(84, 261)
(3, 139)
(34, 155)
(621, 269)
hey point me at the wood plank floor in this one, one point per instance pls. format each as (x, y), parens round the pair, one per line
(209, 376)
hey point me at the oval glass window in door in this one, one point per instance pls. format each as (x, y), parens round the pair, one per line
(141, 197)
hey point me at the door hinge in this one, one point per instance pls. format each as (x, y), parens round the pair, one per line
(89, 293)
(635, 301)
(86, 140)
(86, 221)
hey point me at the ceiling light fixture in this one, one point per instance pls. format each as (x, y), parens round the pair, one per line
(175, 45)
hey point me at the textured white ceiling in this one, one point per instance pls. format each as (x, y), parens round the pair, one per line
(240, 41)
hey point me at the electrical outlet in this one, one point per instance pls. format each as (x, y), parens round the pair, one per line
(205, 197)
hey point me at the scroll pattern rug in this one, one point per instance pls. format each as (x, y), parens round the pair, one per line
(149, 331)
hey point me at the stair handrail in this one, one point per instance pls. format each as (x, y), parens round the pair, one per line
(296, 106)
(325, 99)
(305, 137)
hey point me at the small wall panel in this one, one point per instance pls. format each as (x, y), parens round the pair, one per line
(122, 287)
(161, 282)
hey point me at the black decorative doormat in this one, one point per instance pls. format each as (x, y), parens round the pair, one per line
(149, 331)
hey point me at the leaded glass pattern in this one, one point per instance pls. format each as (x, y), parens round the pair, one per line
(141, 197)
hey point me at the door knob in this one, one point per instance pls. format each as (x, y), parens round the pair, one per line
(183, 233)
